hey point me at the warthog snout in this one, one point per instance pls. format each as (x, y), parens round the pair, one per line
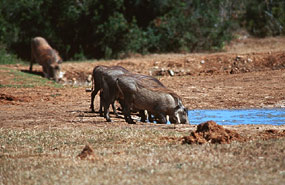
(181, 114)
(54, 72)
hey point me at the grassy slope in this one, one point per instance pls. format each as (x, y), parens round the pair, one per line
(20, 79)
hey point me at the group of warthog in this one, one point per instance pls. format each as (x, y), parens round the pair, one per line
(135, 92)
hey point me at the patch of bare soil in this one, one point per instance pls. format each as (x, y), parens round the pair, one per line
(240, 56)
(186, 65)
(10, 99)
(4, 97)
(271, 134)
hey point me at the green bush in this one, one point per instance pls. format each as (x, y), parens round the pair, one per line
(7, 58)
(265, 18)
(112, 28)
(191, 27)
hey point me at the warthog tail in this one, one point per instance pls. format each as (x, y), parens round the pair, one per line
(120, 90)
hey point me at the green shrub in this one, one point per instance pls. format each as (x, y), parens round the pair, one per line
(191, 27)
(265, 18)
(6, 58)
(112, 28)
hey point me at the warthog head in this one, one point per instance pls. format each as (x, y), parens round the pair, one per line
(54, 69)
(54, 72)
(180, 114)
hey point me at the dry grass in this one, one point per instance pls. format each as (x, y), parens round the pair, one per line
(134, 155)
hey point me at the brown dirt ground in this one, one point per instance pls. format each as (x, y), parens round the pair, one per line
(250, 73)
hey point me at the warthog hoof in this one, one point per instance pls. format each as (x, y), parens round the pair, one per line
(92, 109)
(131, 122)
(109, 120)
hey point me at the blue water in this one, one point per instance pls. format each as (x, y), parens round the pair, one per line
(239, 116)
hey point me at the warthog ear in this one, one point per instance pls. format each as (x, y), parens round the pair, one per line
(181, 108)
(186, 110)
(177, 107)
(180, 105)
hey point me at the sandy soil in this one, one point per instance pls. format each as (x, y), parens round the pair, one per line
(250, 73)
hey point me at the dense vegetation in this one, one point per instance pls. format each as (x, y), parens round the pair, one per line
(115, 28)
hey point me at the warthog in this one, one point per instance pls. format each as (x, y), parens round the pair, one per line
(111, 93)
(47, 57)
(159, 101)
(151, 82)
(109, 73)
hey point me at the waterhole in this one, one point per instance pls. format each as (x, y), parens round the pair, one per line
(239, 116)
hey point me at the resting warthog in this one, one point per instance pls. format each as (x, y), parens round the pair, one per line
(47, 57)
(98, 73)
(159, 101)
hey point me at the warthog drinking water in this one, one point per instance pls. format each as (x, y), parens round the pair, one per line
(47, 57)
(159, 101)
(109, 74)
(151, 82)
(111, 93)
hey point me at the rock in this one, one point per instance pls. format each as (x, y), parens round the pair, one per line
(74, 82)
(155, 63)
(171, 72)
(61, 74)
(87, 153)
(238, 58)
(89, 78)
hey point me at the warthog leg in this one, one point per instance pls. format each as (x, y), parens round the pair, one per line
(142, 115)
(93, 94)
(127, 115)
(107, 113)
(102, 101)
(106, 104)
(31, 66)
(115, 110)
(173, 120)
(161, 119)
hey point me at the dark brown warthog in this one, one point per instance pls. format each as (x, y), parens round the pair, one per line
(109, 74)
(150, 82)
(159, 101)
(111, 93)
(47, 57)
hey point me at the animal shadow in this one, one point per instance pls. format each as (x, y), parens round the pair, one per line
(39, 73)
